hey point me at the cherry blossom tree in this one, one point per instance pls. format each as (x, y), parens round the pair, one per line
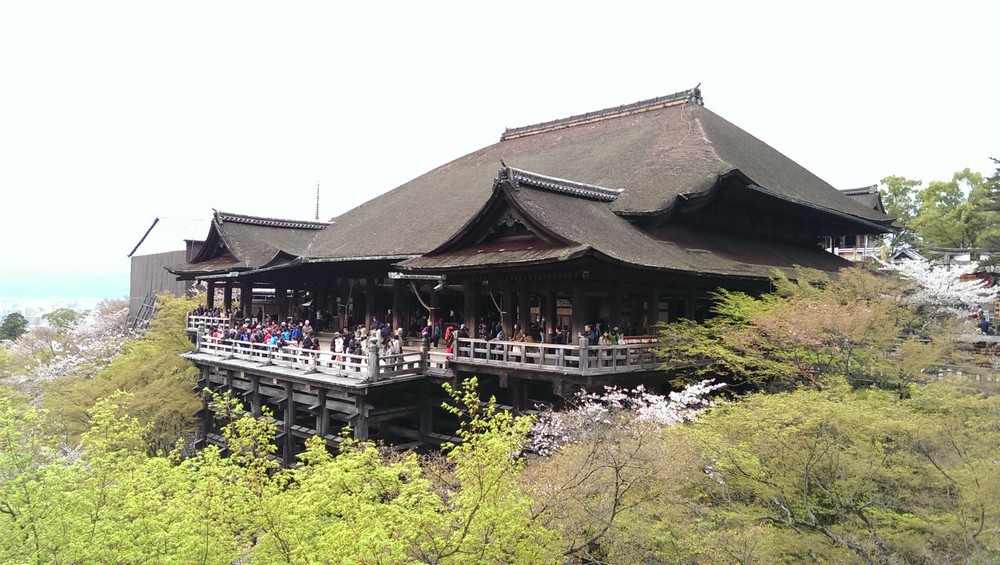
(592, 411)
(948, 288)
(82, 348)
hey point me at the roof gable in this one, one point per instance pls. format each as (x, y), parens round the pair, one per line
(248, 242)
(503, 221)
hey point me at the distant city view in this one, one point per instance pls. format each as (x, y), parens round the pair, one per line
(33, 296)
(34, 308)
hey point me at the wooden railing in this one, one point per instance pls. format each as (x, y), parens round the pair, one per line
(580, 358)
(364, 368)
(205, 322)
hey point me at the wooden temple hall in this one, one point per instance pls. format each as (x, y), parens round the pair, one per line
(628, 217)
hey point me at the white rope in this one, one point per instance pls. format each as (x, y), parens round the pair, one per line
(430, 311)
(502, 312)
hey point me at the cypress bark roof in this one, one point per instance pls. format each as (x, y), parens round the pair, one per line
(659, 153)
(867, 196)
(559, 226)
(238, 242)
(649, 163)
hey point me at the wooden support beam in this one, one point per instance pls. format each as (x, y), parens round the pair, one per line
(255, 404)
(360, 421)
(322, 413)
(288, 449)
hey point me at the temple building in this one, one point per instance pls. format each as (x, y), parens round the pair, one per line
(624, 217)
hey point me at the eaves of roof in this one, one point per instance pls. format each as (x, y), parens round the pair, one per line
(876, 227)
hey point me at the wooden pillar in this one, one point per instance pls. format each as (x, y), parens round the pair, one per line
(346, 295)
(579, 308)
(508, 313)
(615, 308)
(426, 415)
(369, 300)
(288, 445)
(360, 423)
(281, 299)
(519, 395)
(322, 414)
(255, 405)
(246, 300)
(652, 310)
(551, 312)
(398, 297)
(470, 291)
(227, 296)
(435, 308)
(689, 305)
(523, 306)
(205, 425)
(210, 296)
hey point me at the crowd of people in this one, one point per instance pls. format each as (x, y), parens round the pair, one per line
(435, 334)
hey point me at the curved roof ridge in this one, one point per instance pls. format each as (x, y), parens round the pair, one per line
(223, 217)
(682, 97)
(870, 189)
(555, 184)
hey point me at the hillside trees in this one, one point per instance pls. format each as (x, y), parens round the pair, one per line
(900, 201)
(13, 326)
(104, 361)
(961, 213)
(603, 481)
(814, 327)
(841, 475)
(114, 502)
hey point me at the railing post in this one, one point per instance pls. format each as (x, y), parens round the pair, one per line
(373, 358)
(425, 345)
(201, 334)
(584, 354)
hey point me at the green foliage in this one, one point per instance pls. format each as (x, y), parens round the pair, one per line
(838, 476)
(13, 326)
(959, 213)
(115, 502)
(359, 506)
(953, 214)
(899, 198)
(807, 330)
(151, 369)
(63, 318)
(606, 496)
(491, 520)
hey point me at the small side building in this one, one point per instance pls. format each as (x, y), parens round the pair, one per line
(167, 241)
(862, 246)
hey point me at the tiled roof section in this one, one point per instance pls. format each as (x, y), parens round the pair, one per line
(867, 196)
(873, 189)
(691, 95)
(224, 217)
(591, 191)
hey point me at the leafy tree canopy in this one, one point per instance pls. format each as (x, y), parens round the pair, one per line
(961, 213)
(13, 326)
(63, 318)
(810, 328)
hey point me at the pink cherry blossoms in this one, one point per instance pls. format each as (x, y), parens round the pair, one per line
(591, 413)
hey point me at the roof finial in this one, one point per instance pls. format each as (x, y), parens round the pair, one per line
(696, 95)
(317, 201)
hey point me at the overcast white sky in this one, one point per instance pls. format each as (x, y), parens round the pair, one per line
(114, 113)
